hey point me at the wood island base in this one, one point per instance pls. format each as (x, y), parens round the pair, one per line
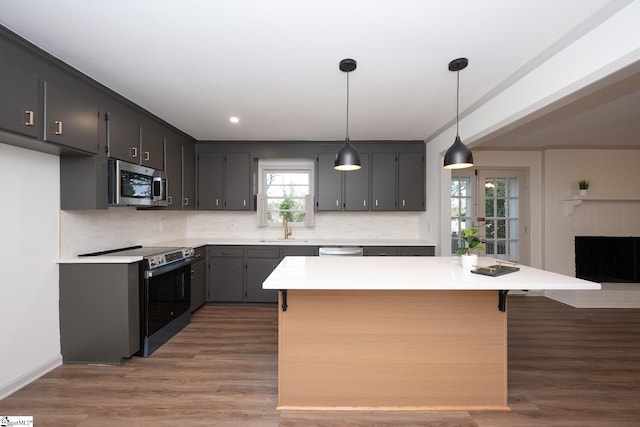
(387, 349)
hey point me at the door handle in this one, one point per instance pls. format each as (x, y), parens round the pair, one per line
(186, 201)
(58, 124)
(29, 121)
(147, 155)
(134, 152)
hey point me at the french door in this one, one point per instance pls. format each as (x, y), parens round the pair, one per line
(495, 202)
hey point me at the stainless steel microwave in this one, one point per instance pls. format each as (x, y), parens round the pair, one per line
(135, 185)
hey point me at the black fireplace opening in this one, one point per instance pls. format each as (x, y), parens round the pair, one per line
(608, 259)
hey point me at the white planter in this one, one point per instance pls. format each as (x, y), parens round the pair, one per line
(583, 192)
(469, 261)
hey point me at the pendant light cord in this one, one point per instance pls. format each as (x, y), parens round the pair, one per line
(347, 137)
(457, 103)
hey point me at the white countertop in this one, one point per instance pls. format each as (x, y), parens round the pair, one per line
(196, 242)
(408, 273)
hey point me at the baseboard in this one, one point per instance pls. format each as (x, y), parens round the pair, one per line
(23, 380)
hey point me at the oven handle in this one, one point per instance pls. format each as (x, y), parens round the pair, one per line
(166, 268)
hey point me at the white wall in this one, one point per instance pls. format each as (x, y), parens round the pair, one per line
(29, 325)
(613, 174)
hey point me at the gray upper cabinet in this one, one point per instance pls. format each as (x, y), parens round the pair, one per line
(383, 181)
(411, 182)
(237, 181)
(19, 111)
(210, 181)
(356, 187)
(70, 121)
(174, 174)
(329, 184)
(123, 137)
(188, 175)
(151, 147)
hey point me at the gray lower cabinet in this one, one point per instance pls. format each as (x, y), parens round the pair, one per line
(99, 312)
(399, 250)
(260, 262)
(226, 274)
(199, 278)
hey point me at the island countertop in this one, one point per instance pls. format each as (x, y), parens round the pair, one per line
(408, 273)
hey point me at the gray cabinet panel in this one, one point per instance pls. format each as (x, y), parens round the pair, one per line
(174, 174)
(226, 279)
(99, 312)
(188, 176)
(411, 182)
(237, 182)
(257, 271)
(356, 187)
(383, 181)
(151, 148)
(210, 182)
(380, 251)
(199, 278)
(19, 111)
(70, 121)
(329, 184)
(123, 137)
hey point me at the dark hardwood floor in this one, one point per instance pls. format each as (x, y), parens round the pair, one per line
(567, 367)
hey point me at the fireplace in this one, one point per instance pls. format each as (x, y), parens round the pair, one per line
(608, 259)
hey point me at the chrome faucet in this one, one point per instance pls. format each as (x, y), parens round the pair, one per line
(287, 229)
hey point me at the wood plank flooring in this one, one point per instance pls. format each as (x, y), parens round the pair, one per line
(567, 367)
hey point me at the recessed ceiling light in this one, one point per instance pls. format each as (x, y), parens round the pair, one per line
(234, 119)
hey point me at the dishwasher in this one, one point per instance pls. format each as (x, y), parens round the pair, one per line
(340, 251)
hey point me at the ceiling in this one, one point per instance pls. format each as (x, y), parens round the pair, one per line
(274, 64)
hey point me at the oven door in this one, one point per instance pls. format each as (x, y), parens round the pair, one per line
(165, 302)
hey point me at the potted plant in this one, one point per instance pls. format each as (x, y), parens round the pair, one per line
(583, 186)
(473, 242)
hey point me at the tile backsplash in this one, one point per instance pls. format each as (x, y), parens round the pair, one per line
(95, 230)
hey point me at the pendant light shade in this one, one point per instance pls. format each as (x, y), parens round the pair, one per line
(347, 158)
(458, 156)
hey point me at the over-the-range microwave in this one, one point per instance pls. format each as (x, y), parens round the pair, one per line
(135, 185)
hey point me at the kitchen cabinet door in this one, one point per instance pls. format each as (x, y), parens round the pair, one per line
(151, 148)
(258, 269)
(226, 279)
(19, 111)
(356, 187)
(123, 137)
(329, 184)
(188, 176)
(210, 181)
(174, 174)
(199, 278)
(383, 181)
(237, 182)
(411, 182)
(71, 121)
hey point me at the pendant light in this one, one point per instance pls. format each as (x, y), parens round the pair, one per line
(458, 156)
(347, 158)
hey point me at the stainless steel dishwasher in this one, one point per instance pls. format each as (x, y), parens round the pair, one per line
(340, 251)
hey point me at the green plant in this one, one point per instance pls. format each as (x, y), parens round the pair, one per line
(583, 184)
(471, 238)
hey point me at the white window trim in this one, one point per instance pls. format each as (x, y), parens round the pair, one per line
(267, 165)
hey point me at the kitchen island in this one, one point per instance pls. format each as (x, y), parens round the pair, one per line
(396, 332)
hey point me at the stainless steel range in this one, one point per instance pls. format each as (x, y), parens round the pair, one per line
(165, 292)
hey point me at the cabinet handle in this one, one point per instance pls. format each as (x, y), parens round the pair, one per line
(217, 202)
(58, 131)
(403, 204)
(29, 121)
(186, 201)
(376, 202)
(244, 203)
(169, 200)
(364, 203)
(147, 155)
(337, 203)
(134, 152)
